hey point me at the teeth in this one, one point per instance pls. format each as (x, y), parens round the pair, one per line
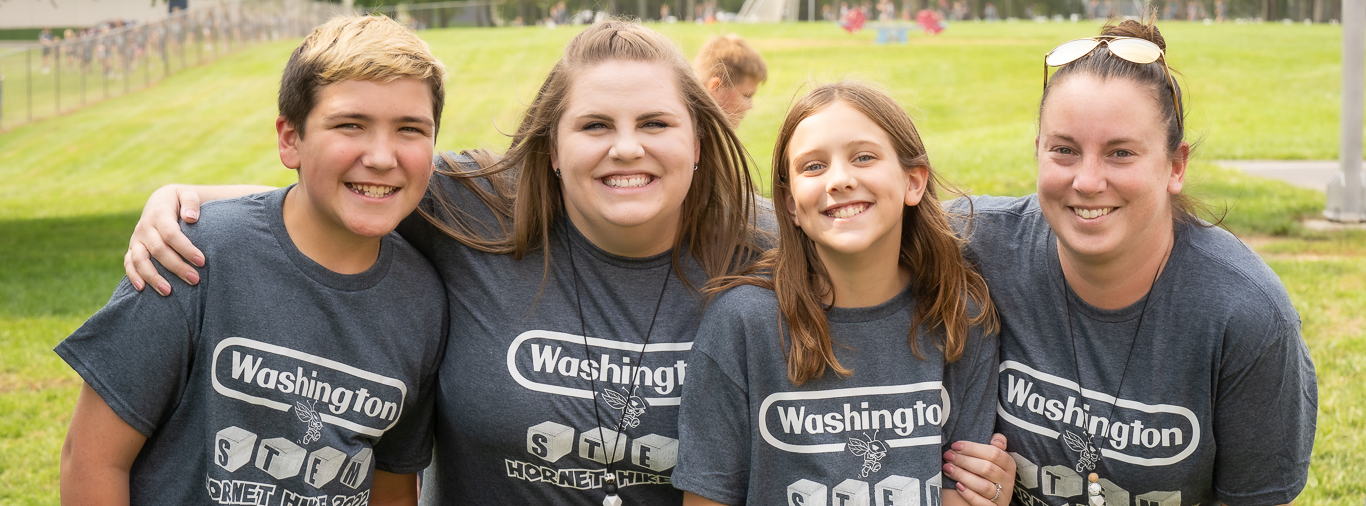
(627, 181)
(1091, 214)
(847, 211)
(371, 190)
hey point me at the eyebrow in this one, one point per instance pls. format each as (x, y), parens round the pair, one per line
(366, 117)
(851, 144)
(642, 117)
(1111, 142)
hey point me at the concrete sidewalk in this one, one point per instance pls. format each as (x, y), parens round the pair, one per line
(1306, 174)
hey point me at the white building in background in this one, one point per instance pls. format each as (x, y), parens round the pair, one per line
(63, 13)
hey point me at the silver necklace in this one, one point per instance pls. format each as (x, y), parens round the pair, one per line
(628, 409)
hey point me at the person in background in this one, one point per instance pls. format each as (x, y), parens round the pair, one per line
(49, 43)
(732, 71)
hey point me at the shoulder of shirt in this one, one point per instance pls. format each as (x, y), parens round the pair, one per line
(408, 260)
(227, 220)
(737, 308)
(994, 207)
(1244, 277)
(743, 300)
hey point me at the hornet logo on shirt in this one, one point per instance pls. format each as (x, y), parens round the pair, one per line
(871, 450)
(631, 407)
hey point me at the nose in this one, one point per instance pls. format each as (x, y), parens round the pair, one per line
(382, 152)
(1090, 176)
(627, 146)
(839, 178)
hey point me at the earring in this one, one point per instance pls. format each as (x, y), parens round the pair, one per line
(694, 166)
(558, 174)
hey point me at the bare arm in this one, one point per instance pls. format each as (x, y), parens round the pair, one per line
(691, 499)
(98, 452)
(157, 234)
(389, 489)
(979, 469)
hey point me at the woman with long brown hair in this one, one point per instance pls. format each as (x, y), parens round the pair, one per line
(847, 359)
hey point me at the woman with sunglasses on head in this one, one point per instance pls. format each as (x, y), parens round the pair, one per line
(1147, 356)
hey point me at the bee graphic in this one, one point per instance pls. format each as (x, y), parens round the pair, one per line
(1089, 454)
(871, 450)
(308, 415)
(632, 407)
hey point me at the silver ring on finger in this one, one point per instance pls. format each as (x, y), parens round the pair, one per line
(998, 492)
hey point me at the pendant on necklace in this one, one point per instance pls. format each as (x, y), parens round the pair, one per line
(609, 485)
(1086, 461)
(1093, 497)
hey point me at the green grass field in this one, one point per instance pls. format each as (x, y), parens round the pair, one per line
(75, 183)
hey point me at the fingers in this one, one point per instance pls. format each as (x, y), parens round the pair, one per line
(978, 491)
(979, 468)
(141, 272)
(189, 205)
(157, 235)
(998, 440)
(990, 461)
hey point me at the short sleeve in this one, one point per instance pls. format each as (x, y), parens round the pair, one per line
(713, 418)
(136, 353)
(407, 447)
(971, 382)
(1265, 418)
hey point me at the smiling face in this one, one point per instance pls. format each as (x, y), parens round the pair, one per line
(625, 149)
(1105, 175)
(365, 159)
(847, 189)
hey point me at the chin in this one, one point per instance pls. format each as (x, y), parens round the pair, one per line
(372, 228)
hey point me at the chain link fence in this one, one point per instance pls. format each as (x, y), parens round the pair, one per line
(112, 59)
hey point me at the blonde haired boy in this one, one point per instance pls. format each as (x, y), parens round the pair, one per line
(299, 370)
(731, 70)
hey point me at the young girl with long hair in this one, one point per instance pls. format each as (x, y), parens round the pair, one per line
(842, 365)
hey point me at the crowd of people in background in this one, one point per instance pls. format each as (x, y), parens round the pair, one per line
(934, 15)
(113, 47)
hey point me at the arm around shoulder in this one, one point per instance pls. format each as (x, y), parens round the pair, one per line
(98, 453)
(158, 235)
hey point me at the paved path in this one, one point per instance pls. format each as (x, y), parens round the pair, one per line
(1307, 174)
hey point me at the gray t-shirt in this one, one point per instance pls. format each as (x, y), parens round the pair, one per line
(535, 387)
(273, 381)
(1218, 394)
(749, 435)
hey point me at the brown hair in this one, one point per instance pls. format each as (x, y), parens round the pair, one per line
(1102, 64)
(945, 285)
(366, 48)
(717, 213)
(730, 58)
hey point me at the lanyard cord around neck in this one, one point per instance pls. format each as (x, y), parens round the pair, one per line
(1089, 454)
(609, 478)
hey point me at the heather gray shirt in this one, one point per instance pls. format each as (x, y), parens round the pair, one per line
(274, 380)
(750, 436)
(535, 396)
(1218, 396)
